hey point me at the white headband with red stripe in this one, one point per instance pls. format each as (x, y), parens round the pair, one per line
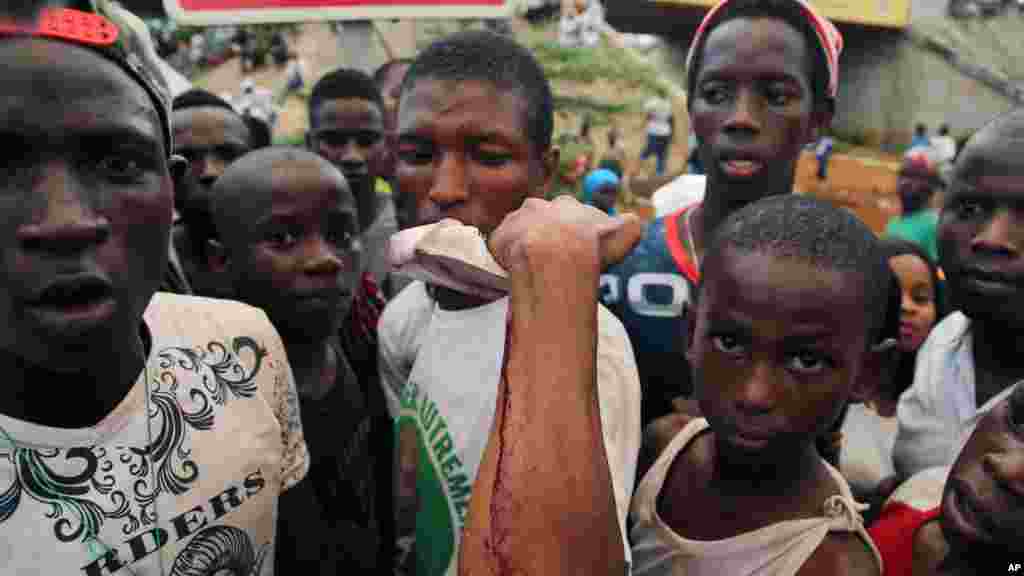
(829, 38)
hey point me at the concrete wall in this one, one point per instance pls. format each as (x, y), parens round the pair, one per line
(889, 84)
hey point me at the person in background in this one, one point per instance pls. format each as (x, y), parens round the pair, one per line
(944, 146)
(660, 128)
(346, 126)
(823, 153)
(140, 432)
(210, 134)
(918, 182)
(256, 101)
(388, 78)
(975, 524)
(616, 150)
(500, 447)
(288, 242)
(601, 190)
(294, 77)
(920, 139)
(745, 52)
(972, 358)
(869, 430)
(789, 319)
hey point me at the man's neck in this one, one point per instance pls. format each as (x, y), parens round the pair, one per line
(997, 359)
(778, 477)
(719, 202)
(78, 398)
(449, 299)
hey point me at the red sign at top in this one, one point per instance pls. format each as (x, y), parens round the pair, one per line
(222, 12)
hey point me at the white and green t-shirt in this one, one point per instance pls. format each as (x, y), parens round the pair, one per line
(182, 477)
(450, 394)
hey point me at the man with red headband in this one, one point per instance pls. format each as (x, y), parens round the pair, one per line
(754, 103)
(140, 432)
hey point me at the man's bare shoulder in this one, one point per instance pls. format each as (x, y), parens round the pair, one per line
(841, 554)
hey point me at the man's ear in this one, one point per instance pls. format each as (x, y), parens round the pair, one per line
(880, 363)
(217, 260)
(549, 168)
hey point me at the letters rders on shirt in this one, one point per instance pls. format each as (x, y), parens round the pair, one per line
(228, 12)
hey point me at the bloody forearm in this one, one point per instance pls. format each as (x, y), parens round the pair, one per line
(543, 500)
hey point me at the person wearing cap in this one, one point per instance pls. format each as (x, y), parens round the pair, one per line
(601, 189)
(140, 432)
(918, 181)
(754, 103)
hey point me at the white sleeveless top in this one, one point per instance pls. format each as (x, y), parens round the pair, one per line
(776, 550)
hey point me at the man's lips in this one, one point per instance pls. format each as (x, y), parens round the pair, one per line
(741, 168)
(71, 291)
(73, 303)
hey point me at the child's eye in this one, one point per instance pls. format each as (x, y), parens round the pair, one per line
(714, 93)
(492, 158)
(282, 238)
(778, 95)
(121, 167)
(808, 362)
(727, 344)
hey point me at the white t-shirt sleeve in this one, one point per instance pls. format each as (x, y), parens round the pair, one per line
(401, 326)
(678, 194)
(618, 384)
(922, 440)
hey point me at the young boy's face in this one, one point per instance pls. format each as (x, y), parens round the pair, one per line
(981, 232)
(983, 501)
(776, 351)
(464, 153)
(349, 133)
(298, 257)
(210, 138)
(753, 105)
(86, 205)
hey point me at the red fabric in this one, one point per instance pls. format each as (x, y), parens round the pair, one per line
(893, 535)
(829, 37)
(367, 307)
(207, 5)
(679, 253)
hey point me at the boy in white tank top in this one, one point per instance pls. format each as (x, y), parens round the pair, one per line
(780, 342)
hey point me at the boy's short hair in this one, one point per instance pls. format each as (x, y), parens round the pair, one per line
(199, 98)
(812, 231)
(788, 11)
(340, 84)
(480, 55)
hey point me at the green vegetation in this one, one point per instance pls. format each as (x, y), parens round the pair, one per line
(589, 64)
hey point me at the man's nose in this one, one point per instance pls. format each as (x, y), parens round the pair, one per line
(449, 183)
(65, 219)
(746, 113)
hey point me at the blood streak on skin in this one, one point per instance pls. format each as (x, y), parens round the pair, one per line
(501, 501)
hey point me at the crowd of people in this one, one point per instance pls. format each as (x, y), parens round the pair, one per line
(212, 367)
